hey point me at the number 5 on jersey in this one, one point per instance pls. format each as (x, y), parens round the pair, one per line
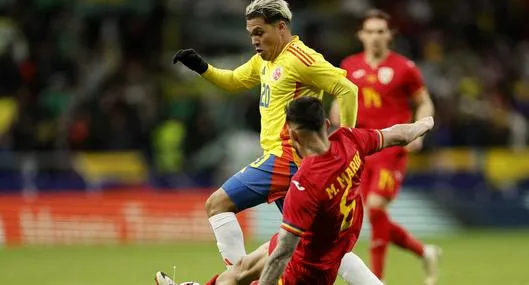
(346, 210)
(265, 96)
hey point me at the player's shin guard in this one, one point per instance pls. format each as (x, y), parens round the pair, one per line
(380, 233)
(354, 271)
(404, 239)
(228, 234)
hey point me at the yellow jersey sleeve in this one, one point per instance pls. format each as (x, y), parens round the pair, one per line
(312, 69)
(245, 76)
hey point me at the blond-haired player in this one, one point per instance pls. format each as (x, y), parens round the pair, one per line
(285, 68)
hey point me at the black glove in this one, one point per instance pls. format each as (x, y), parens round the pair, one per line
(191, 59)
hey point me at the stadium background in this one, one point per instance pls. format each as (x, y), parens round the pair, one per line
(108, 152)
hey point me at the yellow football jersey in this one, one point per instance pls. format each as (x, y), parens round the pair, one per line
(297, 71)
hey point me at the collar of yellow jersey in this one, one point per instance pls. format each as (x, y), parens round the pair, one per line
(295, 38)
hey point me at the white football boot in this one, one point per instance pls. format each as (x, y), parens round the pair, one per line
(431, 257)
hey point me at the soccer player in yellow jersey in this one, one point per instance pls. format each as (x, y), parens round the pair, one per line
(285, 68)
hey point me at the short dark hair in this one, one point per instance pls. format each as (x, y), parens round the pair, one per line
(376, 14)
(307, 113)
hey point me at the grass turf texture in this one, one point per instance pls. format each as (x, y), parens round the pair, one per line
(484, 258)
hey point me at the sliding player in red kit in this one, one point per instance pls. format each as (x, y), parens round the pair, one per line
(387, 82)
(323, 209)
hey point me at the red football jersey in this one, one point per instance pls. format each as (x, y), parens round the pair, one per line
(383, 92)
(323, 204)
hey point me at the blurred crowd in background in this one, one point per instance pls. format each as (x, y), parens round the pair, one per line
(97, 75)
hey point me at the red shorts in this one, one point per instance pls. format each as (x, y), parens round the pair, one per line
(384, 172)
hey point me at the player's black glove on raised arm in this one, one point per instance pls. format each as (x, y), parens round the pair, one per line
(191, 59)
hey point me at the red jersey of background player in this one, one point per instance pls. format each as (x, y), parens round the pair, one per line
(384, 91)
(324, 207)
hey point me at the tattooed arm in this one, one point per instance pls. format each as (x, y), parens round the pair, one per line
(277, 262)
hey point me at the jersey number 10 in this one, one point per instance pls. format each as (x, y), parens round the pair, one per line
(265, 96)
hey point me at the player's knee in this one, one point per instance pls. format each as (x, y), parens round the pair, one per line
(375, 201)
(219, 202)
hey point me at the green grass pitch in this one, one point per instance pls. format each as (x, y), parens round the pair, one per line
(477, 258)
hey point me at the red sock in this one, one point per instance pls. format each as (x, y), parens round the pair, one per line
(213, 280)
(404, 239)
(380, 233)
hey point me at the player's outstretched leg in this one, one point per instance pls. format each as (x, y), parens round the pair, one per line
(430, 254)
(385, 230)
(405, 240)
(221, 212)
(247, 270)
